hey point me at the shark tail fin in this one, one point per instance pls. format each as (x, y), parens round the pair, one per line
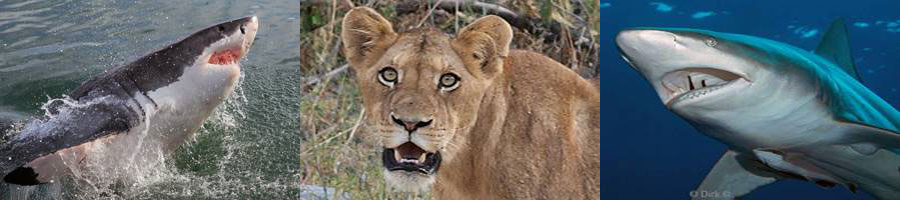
(835, 47)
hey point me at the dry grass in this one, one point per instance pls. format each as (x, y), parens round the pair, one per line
(334, 152)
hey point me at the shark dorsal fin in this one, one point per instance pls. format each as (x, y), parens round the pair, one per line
(835, 46)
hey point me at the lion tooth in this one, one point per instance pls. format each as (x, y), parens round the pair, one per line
(397, 156)
(422, 158)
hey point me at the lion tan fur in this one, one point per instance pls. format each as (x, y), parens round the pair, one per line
(519, 125)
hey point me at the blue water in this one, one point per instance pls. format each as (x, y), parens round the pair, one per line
(650, 153)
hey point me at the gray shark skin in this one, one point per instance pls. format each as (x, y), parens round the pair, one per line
(161, 99)
(783, 112)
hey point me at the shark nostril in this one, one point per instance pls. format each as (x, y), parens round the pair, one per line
(242, 30)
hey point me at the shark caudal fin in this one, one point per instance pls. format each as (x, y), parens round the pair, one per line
(835, 47)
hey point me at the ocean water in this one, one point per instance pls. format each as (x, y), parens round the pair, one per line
(650, 153)
(247, 150)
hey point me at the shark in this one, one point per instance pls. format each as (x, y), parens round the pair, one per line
(155, 101)
(782, 111)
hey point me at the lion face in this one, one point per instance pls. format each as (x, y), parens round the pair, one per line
(421, 89)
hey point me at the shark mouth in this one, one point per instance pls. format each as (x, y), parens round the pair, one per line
(693, 83)
(232, 48)
(409, 157)
(226, 57)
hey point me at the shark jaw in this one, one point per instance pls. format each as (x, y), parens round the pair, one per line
(687, 85)
(680, 83)
(231, 49)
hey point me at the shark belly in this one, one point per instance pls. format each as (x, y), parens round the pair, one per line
(177, 115)
(169, 122)
(781, 123)
(876, 173)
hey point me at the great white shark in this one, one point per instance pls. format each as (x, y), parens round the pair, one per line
(782, 111)
(158, 100)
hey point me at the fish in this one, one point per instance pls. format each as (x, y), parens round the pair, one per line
(158, 100)
(783, 112)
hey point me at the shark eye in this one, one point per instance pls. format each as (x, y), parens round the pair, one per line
(388, 76)
(711, 42)
(448, 82)
(221, 28)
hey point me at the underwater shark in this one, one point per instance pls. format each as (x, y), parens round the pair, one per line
(158, 100)
(783, 112)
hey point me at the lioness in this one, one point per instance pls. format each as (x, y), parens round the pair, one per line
(468, 114)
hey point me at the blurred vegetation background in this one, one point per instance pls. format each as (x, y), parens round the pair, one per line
(335, 153)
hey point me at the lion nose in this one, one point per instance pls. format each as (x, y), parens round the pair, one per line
(411, 125)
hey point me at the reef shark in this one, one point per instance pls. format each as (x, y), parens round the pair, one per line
(156, 101)
(783, 112)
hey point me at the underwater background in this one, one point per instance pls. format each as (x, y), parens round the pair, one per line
(650, 153)
(248, 149)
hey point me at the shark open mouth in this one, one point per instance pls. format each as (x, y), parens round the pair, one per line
(409, 157)
(226, 57)
(232, 48)
(692, 83)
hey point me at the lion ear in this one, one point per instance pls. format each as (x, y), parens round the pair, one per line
(363, 31)
(485, 43)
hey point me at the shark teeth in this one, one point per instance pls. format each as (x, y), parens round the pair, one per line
(695, 83)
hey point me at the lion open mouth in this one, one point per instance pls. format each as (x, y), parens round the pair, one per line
(409, 157)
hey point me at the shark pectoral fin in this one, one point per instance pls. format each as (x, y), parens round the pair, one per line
(734, 175)
(835, 46)
(876, 173)
(32, 159)
(865, 139)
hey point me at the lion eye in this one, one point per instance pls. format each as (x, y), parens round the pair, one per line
(449, 81)
(388, 76)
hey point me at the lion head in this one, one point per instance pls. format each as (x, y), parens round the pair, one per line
(422, 89)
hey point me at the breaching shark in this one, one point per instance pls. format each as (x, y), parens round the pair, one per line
(783, 112)
(159, 99)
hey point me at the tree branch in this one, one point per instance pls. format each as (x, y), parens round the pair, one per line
(316, 80)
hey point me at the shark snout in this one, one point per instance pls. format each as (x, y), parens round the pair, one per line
(249, 30)
(636, 41)
(646, 49)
